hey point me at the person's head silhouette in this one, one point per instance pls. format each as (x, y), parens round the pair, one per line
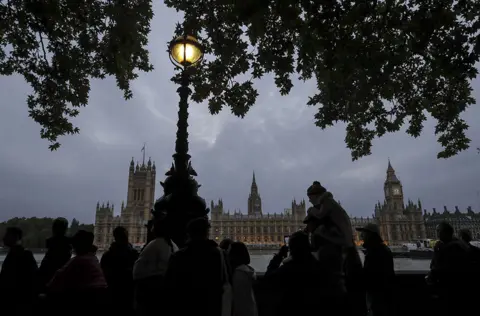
(299, 245)
(445, 232)
(13, 236)
(198, 229)
(120, 234)
(238, 254)
(82, 242)
(225, 243)
(59, 226)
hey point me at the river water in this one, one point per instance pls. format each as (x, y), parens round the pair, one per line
(260, 261)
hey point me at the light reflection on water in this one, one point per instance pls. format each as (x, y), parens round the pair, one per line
(259, 262)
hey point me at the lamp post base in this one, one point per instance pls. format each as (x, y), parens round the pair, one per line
(179, 204)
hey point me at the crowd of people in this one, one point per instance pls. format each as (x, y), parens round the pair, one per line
(320, 270)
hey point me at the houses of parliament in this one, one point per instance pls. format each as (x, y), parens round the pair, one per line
(399, 222)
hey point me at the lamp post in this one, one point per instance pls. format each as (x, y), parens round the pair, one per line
(180, 202)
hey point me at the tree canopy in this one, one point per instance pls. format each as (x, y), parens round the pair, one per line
(36, 230)
(378, 64)
(59, 46)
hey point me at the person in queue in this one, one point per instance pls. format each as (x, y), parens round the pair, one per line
(81, 282)
(242, 280)
(328, 223)
(466, 236)
(450, 270)
(151, 267)
(302, 285)
(379, 272)
(197, 269)
(59, 251)
(17, 276)
(117, 265)
(224, 246)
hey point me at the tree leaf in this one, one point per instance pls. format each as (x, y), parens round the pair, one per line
(59, 46)
(377, 64)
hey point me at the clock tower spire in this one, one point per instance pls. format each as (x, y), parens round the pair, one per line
(393, 190)
(254, 200)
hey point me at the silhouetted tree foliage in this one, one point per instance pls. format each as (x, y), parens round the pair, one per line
(377, 64)
(37, 230)
(59, 46)
(74, 227)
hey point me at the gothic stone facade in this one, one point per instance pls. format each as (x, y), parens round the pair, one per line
(399, 222)
(256, 227)
(468, 220)
(133, 215)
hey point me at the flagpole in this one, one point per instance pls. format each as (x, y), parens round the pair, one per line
(143, 149)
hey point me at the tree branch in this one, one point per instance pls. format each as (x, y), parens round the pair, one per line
(43, 48)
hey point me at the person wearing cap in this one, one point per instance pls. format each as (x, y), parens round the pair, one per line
(379, 271)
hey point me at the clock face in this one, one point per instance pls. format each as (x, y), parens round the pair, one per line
(396, 191)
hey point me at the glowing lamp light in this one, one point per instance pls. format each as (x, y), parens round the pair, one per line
(185, 51)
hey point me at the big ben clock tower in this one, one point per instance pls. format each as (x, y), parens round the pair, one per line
(254, 200)
(393, 191)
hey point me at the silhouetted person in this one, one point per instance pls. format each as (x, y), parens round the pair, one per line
(450, 270)
(329, 225)
(150, 268)
(474, 263)
(59, 251)
(150, 233)
(466, 236)
(117, 265)
(18, 276)
(355, 282)
(224, 245)
(80, 286)
(242, 280)
(301, 286)
(196, 272)
(379, 272)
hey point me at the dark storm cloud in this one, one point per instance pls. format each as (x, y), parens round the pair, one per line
(277, 139)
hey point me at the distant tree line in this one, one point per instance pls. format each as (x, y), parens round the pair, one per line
(36, 230)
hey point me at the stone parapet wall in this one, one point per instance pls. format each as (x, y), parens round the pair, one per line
(412, 295)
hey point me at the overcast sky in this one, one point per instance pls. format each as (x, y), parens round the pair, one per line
(277, 139)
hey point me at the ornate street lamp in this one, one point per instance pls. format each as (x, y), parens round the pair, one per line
(180, 202)
(185, 51)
